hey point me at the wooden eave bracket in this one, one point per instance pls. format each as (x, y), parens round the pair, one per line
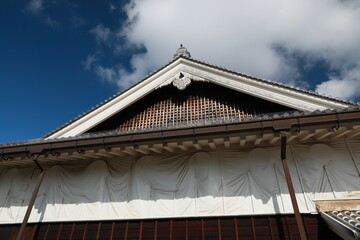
(288, 124)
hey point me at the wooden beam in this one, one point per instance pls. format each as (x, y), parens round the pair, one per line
(355, 132)
(339, 133)
(183, 147)
(196, 145)
(32, 201)
(212, 145)
(306, 136)
(130, 151)
(242, 142)
(156, 148)
(274, 140)
(170, 147)
(144, 149)
(299, 220)
(258, 141)
(323, 133)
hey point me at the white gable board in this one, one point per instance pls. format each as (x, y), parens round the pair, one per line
(180, 73)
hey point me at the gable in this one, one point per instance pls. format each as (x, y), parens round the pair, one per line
(199, 102)
(182, 72)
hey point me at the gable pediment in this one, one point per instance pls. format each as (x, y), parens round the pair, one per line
(184, 104)
(183, 72)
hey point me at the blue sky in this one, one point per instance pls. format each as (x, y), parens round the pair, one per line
(59, 59)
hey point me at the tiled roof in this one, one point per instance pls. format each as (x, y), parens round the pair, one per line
(212, 66)
(350, 218)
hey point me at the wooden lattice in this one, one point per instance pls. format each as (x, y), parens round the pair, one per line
(199, 102)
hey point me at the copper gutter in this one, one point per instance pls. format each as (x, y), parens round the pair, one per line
(32, 200)
(299, 221)
(239, 128)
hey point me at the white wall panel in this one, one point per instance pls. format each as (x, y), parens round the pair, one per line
(195, 184)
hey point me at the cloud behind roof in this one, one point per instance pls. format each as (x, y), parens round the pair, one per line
(246, 36)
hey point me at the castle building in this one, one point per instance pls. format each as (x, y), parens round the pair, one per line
(192, 151)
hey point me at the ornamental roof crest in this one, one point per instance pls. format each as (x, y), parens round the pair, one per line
(182, 51)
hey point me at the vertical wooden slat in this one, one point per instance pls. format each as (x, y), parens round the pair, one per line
(187, 111)
(219, 228)
(288, 227)
(305, 226)
(72, 231)
(202, 107)
(126, 230)
(227, 109)
(34, 231)
(236, 229)
(84, 233)
(59, 232)
(155, 230)
(202, 229)
(187, 229)
(147, 116)
(47, 230)
(98, 231)
(171, 229)
(140, 230)
(253, 228)
(270, 227)
(112, 230)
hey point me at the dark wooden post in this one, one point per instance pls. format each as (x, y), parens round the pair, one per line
(299, 221)
(32, 201)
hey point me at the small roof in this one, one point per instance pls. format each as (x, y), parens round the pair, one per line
(184, 68)
(344, 223)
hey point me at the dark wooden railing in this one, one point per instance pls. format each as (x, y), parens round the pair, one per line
(225, 228)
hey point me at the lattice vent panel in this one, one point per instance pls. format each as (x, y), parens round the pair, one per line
(200, 102)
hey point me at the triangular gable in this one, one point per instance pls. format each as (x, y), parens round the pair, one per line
(183, 71)
(198, 104)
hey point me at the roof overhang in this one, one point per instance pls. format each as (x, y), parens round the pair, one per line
(207, 137)
(197, 71)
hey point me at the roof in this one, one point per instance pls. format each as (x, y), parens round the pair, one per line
(350, 218)
(299, 91)
(345, 223)
(209, 135)
(270, 117)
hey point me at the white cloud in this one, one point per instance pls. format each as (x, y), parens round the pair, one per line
(244, 35)
(35, 6)
(90, 60)
(112, 7)
(247, 36)
(102, 34)
(345, 86)
(51, 22)
(107, 74)
(77, 21)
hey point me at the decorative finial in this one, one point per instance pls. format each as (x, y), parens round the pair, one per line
(182, 51)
